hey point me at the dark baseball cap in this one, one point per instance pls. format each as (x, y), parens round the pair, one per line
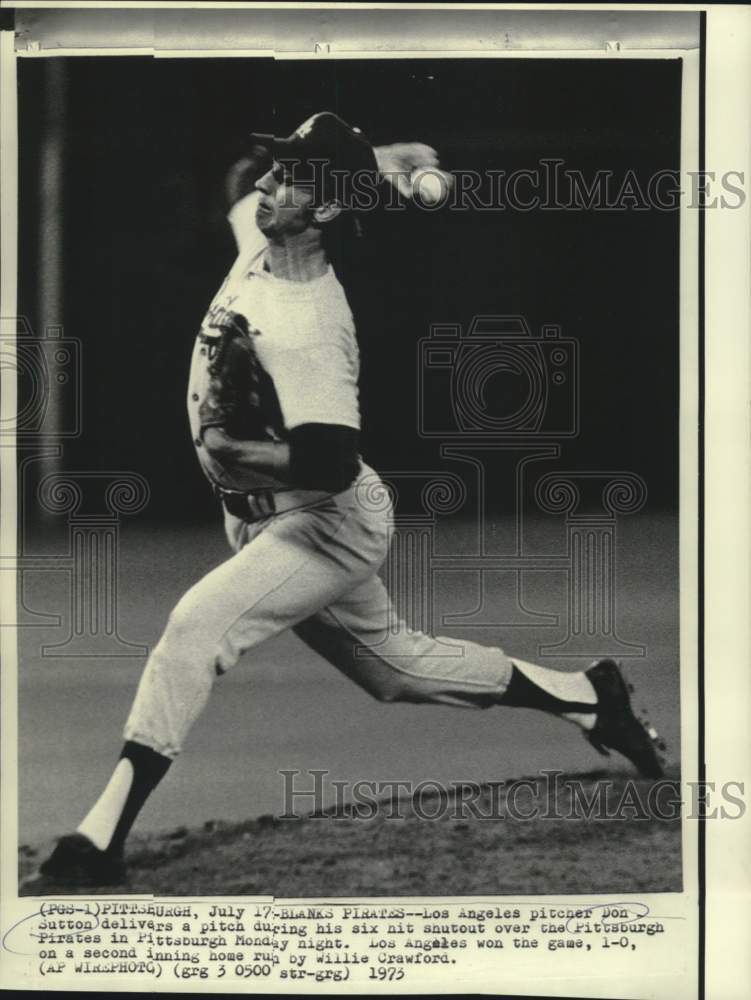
(324, 140)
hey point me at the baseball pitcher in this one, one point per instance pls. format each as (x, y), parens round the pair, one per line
(273, 409)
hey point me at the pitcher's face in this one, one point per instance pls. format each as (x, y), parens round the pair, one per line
(284, 209)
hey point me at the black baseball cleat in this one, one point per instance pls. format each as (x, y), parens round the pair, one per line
(617, 728)
(75, 861)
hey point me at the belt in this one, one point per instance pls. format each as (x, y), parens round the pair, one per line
(259, 504)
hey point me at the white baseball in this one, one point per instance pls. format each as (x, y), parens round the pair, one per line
(430, 184)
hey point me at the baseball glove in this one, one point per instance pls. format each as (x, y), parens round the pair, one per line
(240, 396)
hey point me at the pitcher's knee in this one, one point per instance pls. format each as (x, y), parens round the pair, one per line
(396, 687)
(191, 641)
(384, 694)
(182, 653)
(185, 634)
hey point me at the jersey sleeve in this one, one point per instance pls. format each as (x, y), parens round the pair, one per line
(242, 218)
(317, 386)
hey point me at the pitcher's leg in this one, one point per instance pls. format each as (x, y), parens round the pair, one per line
(282, 576)
(286, 572)
(363, 637)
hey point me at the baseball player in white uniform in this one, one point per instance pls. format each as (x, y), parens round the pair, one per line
(273, 408)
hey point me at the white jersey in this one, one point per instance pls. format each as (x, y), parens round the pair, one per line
(303, 334)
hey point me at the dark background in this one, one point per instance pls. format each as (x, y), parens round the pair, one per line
(145, 242)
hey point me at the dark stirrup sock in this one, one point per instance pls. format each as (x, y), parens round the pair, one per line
(149, 767)
(524, 693)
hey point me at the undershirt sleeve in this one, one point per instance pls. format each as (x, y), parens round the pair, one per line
(323, 457)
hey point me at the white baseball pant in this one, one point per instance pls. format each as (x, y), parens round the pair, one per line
(313, 570)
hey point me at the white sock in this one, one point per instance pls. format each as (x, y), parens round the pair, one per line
(100, 822)
(583, 721)
(565, 686)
